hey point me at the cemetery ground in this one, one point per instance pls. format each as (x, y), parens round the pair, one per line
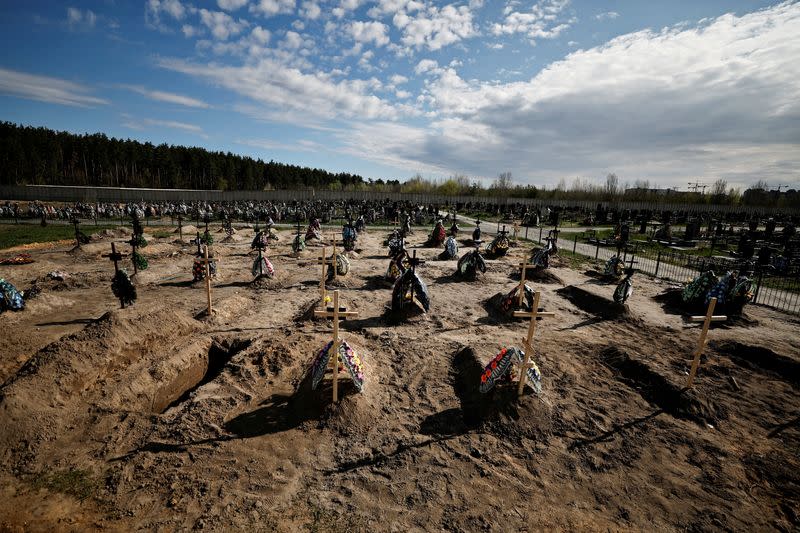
(157, 417)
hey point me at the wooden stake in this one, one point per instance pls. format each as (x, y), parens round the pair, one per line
(208, 280)
(707, 320)
(336, 314)
(534, 314)
(323, 260)
(524, 266)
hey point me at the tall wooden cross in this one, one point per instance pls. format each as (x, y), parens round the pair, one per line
(412, 263)
(116, 257)
(207, 264)
(180, 227)
(706, 320)
(534, 315)
(521, 290)
(336, 313)
(516, 228)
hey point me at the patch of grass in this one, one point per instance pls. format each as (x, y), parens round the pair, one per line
(18, 234)
(80, 484)
(162, 234)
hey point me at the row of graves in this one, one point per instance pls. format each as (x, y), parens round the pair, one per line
(513, 366)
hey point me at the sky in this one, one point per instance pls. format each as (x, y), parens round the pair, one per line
(670, 92)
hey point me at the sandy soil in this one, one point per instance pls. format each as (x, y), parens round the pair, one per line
(155, 417)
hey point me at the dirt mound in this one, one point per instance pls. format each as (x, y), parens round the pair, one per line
(541, 275)
(671, 301)
(689, 404)
(593, 304)
(500, 411)
(762, 359)
(77, 368)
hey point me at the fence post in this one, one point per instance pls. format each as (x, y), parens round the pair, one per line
(758, 284)
(597, 250)
(526, 233)
(575, 244)
(658, 264)
(540, 234)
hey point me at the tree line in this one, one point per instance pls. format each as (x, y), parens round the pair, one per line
(41, 156)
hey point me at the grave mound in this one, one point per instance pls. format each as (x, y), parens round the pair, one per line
(660, 391)
(500, 411)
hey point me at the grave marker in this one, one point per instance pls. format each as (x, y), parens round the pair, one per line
(534, 315)
(323, 260)
(336, 313)
(521, 290)
(116, 257)
(706, 320)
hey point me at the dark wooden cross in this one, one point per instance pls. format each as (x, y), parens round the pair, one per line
(207, 264)
(116, 257)
(76, 223)
(180, 226)
(336, 313)
(413, 261)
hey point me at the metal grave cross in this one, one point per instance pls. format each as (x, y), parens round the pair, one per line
(534, 315)
(336, 313)
(706, 320)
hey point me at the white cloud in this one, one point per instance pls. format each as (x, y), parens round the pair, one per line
(163, 96)
(46, 89)
(435, 28)
(541, 22)
(270, 8)
(426, 65)
(260, 35)
(80, 20)
(390, 7)
(153, 10)
(221, 25)
(231, 5)
(717, 100)
(302, 145)
(310, 10)
(189, 31)
(367, 32)
(270, 82)
(159, 123)
(608, 15)
(398, 79)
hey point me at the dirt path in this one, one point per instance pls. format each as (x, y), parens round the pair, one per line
(156, 418)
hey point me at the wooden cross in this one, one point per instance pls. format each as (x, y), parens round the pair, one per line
(336, 313)
(197, 242)
(116, 257)
(76, 223)
(323, 260)
(180, 227)
(706, 320)
(207, 264)
(534, 315)
(413, 261)
(524, 266)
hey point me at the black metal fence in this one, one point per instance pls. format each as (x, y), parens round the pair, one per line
(771, 288)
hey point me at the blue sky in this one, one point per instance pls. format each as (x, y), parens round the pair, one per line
(669, 92)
